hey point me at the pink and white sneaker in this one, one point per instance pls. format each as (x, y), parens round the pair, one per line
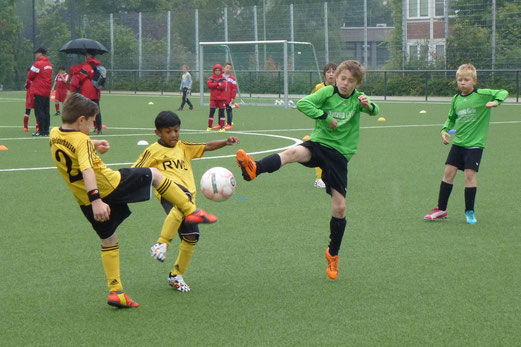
(436, 213)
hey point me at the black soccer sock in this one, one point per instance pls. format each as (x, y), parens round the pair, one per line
(229, 115)
(470, 197)
(443, 199)
(28, 111)
(337, 227)
(271, 163)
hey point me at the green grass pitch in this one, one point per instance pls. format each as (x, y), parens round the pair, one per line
(258, 276)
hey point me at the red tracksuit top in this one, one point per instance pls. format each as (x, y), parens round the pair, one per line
(217, 92)
(40, 74)
(83, 79)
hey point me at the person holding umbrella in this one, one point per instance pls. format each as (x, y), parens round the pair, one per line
(83, 74)
(39, 80)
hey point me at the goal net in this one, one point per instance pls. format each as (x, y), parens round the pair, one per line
(268, 73)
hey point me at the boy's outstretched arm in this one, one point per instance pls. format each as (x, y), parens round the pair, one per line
(100, 209)
(213, 145)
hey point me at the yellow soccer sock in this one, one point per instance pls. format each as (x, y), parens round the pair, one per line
(171, 191)
(170, 226)
(319, 173)
(186, 250)
(110, 259)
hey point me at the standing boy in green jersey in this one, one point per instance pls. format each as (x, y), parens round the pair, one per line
(470, 115)
(173, 158)
(336, 110)
(102, 193)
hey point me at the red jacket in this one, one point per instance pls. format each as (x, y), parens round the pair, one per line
(82, 75)
(217, 85)
(231, 88)
(40, 74)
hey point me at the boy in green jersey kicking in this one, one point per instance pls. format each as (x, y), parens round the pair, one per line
(470, 115)
(334, 140)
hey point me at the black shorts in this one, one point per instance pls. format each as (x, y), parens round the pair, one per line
(332, 163)
(184, 229)
(464, 158)
(135, 186)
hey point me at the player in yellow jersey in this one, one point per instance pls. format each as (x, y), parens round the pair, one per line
(173, 158)
(329, 80)
(103, 193)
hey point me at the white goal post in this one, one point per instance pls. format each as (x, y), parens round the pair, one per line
(284, 43)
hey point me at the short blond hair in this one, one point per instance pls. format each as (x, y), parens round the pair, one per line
(467, 70)
(356, 69)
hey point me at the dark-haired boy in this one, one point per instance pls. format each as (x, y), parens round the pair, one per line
(103, 193)
(60, 86)
(173, 158)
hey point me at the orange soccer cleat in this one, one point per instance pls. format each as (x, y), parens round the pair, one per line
(120, 299)
(332, 265)
(200, 216)
(247, 165)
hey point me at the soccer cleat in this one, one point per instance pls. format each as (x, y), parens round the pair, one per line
(435, 213)
(178, 283)
(191, 108)
(26, 129)
(228, 127)
(58, 113)
(208, 129)
(120, 299)
(320, 184)
(332, 265)
(247, 165)
(180, 109)
(200, 216)
(37, 133)
(471, 217)
(100, 132)
(217, 127)
(222, 130)
(158, 251)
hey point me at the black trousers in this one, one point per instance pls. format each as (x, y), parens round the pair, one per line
(42, 112)
(185, 98)
(98, 116)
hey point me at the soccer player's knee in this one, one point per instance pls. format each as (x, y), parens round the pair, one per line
(191, 239)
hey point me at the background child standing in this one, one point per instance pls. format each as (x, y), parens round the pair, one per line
(217, 85)
(186, 87)
(60, 86)
(470, 114)
(231, 91)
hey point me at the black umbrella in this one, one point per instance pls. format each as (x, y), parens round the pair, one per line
(82, 46)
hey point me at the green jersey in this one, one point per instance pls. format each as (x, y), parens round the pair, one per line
(470, 117)
(326, 104)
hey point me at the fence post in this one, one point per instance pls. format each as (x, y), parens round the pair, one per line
(385, 85)
(251, 86)
(135, 85)
(517, 86)
(427, 75)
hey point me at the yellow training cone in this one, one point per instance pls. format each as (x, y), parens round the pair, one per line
(423, 111)
(150, 103)
(381, 119)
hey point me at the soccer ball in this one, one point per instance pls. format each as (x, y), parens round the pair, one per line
(218, 184)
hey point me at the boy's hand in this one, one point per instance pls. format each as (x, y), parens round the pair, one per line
(333, 124)
(491, 104)
(364, 101)
(444, 136)
(100, 210)
(101, 146)
(230, 141)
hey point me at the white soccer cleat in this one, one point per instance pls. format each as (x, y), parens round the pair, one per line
(320, 184)
(178, 283)
(158, 251)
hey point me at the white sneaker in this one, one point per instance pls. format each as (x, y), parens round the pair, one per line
(320, 184)
(178, 283)
(158, 251)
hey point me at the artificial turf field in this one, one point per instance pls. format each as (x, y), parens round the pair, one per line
(258, 275)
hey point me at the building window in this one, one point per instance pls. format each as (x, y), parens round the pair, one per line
(413, 52)
(418, 8)
(439, 8)
(440, 51)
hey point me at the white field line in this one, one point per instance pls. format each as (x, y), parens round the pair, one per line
(249, 132)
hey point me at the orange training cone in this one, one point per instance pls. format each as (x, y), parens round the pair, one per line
(3, 148)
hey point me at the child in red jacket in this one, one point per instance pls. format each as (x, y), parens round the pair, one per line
(231, 91)
(218, 95)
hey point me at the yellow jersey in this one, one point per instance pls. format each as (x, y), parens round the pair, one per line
(318, 86)
(74, 152)
(173, 162)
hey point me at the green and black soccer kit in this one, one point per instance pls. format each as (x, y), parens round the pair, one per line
(470, 117)
(331, 149)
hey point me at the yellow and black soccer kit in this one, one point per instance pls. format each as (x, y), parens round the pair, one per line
(74, 152)
(175, 163)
